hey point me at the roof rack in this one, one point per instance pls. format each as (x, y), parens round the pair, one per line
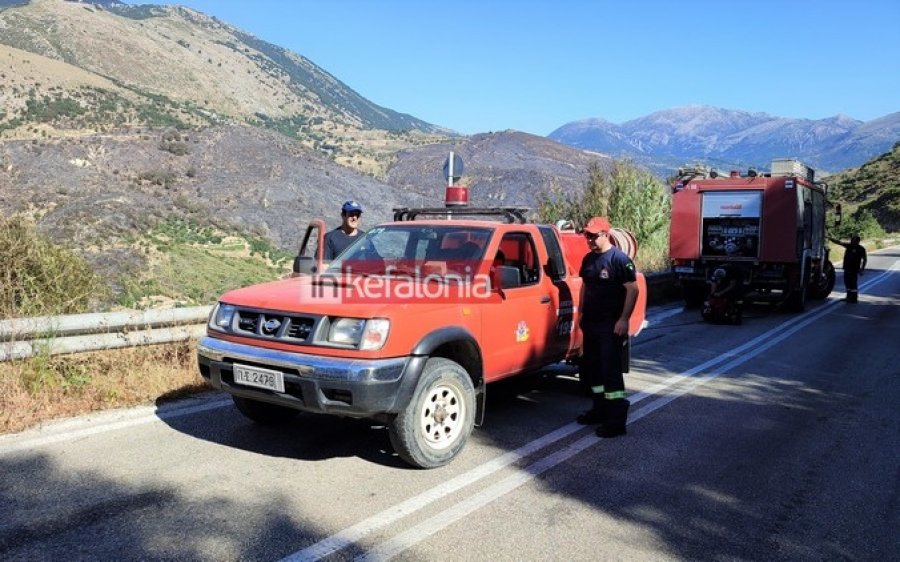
(512, 215)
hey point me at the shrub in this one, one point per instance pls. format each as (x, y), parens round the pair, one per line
(38, 277)
(631, 197)
(175, 147)
(861, 223)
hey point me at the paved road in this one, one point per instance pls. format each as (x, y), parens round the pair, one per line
(775, 440)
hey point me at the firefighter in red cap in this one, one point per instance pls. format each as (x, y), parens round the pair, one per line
(608, 297)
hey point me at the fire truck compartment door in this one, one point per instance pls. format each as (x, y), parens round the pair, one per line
(731, 223)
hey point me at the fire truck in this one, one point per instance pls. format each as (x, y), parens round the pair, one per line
(408, 325)
(769, 228)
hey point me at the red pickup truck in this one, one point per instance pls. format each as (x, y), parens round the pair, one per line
(407, 326)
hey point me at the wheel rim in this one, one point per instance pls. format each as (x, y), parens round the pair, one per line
(441, 416)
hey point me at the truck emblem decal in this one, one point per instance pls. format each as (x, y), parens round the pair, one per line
(271, 325)
(522, 332)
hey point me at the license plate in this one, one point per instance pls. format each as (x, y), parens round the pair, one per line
(260, 378)
(683, 269)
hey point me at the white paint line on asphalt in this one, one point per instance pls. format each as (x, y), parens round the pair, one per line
(664, 313)
(133, 417)
(390, 548)
(394, 546)
(356, 532)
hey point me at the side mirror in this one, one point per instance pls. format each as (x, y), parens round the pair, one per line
(838, 214)
(304, 265)
(505, 277)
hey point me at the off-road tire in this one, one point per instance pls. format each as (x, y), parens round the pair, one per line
(264, 413)
(437, 422)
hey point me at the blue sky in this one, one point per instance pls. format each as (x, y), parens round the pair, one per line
(478, 66)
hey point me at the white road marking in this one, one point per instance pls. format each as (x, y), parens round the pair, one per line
(394, 546)
(664, 313)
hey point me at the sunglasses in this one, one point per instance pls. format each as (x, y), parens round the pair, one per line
(354, 215)
(593, 237)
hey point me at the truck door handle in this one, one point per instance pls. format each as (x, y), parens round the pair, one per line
(545, 299)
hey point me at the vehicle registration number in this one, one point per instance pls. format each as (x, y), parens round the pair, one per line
(684, 269)
(260, 378)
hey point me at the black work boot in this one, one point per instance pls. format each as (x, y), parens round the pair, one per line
(852, 296)
(595, 414)
(613, 424)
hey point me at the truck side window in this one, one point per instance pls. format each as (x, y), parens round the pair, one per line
(519, 252)
(556, 261)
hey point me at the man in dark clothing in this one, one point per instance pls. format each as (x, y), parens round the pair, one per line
(855, 260)
(608, 297)
(337, 240)
(724, 303)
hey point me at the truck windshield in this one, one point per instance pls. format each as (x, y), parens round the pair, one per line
(415, 250)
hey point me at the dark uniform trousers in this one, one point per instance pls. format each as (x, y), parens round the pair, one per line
(601, 363)
(851, 282)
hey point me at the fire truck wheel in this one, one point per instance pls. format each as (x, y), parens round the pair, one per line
(435, 425)
(262, 412)
(822, 286)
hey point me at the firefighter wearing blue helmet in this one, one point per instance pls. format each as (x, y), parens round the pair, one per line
(337, 240)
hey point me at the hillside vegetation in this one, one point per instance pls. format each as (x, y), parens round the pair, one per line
(872, 190)
(38, 277)
(150, 66)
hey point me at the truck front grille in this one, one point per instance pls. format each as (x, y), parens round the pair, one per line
(274, 326)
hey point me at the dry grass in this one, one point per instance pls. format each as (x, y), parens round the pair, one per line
(44, 388)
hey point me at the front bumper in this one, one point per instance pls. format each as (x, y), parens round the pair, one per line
(331, 385)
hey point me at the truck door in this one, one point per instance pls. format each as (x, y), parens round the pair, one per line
(516, 328)
(564, 295)
(312, 248)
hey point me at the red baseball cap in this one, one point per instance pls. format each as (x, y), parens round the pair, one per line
(597, 225)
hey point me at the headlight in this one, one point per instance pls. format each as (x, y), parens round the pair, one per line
(346, 331)
(366, 334)
(221, 317)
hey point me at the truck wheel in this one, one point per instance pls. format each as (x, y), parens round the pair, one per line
(263, 412)
(435, 425)
(823, 284)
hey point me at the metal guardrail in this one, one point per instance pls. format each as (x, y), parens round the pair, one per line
(25, 337)
(21, 338)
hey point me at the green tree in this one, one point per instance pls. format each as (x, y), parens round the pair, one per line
(631, 197)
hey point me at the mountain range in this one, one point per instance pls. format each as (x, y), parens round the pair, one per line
(726, 138)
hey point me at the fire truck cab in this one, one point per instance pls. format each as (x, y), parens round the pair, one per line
(770, 228)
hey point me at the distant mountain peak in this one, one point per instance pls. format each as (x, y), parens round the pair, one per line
(667, 138)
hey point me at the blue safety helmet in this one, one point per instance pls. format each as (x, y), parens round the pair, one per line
(351, 207)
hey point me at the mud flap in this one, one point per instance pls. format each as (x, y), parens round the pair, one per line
(480, 402)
